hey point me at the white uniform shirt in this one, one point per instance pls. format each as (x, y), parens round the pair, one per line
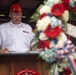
(17, 38)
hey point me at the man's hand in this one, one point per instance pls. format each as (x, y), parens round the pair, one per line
(6, 50)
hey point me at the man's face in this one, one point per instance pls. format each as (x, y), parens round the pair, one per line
(15, 17)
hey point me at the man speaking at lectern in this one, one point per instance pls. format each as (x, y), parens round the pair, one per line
(15, 36)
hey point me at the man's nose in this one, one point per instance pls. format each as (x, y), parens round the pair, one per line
(17, 16)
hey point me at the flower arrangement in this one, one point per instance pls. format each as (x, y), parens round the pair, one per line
(51, 38)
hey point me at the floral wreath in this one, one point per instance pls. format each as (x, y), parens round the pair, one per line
(50, 34)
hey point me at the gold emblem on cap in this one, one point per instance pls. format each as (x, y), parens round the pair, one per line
(19, 10)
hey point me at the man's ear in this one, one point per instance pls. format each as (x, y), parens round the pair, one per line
(10, 15)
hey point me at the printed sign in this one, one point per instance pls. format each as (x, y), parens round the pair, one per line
(27, 72)
(71, 30)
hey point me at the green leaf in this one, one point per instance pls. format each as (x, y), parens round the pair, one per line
(35, 46)
(38, 9)
(38, 57)
(46, 67)
(45, 1)
(60, 69)
(34, 17)
(51, 72)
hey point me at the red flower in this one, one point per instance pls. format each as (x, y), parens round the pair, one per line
(43, 44)
(66, 4)
(57, 9)
(75, 60)
(52, 32)
(43, 15)
(75, 9)
(67, 71)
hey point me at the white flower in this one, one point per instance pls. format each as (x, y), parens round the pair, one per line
(57, 1)
(61, 40)
(45, 9)
(65, 16)
(62, 37)
(72, 3)
(52, 44)
(43, 23)
(60, 44)
(55, 22)
(42, 54)
(74, 0)
(52, 2)
(42, 36)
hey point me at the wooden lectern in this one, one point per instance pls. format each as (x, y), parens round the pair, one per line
(12, 63)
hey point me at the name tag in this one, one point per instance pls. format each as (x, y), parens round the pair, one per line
(71, 30)
(25, 33)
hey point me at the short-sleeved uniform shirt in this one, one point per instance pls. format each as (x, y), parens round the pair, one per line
(17, 38)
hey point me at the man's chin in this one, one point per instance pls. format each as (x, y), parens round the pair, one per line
(17, 22)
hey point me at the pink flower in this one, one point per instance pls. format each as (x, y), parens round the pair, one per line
(57, 9)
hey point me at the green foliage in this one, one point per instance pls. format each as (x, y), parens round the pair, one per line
(52, 70)
(36, 38)
(36, 15)
(46, 67)
(45, 1)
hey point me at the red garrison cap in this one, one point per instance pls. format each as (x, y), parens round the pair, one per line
(16, 8)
